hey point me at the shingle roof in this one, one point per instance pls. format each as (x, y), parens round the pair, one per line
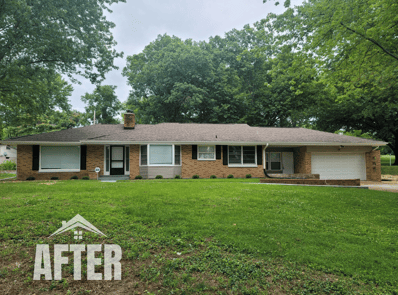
(191, 132)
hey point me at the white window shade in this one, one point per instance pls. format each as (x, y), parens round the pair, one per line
(206, 152)
(160, 155)
(60, 157)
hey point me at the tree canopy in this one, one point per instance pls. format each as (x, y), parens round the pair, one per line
(42, 40)
(105, 103)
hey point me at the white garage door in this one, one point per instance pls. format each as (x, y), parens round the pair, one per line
(339, 166)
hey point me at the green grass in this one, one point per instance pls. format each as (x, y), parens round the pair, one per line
(385, 160)
(6, 175)
(247, 235)
(385, 165)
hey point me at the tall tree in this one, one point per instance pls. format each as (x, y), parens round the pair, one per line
(41, 39)
(357, 46)
(38, 96)
(177, 81)
(105, 103)
(51, 121)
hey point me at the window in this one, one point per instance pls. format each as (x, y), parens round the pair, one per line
(127, 158)
(242, 155)
(206, 152)
(144, 155)
(60, 158)
(177, 155)
(273, 161)
(160, 155)
(235, 155)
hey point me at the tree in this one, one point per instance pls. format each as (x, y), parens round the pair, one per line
(71, 37)
(356, 45)
(40, 40)
(105, 103)
(178, 81)
(44, 93)
(51, 121)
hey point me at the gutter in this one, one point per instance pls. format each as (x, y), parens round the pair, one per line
(274, 144)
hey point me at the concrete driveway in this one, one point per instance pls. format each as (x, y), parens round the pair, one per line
(388, 186)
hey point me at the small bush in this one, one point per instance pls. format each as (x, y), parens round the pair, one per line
(30, 178)
(159, 177)
(248, 176)
(213, 177)
(86, 178)
(8, 165)
(177, 177)
(138, 177)
(55, 178)
(230, 176)
(74, 177)
(196, 176)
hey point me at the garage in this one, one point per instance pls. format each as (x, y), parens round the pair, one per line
(339, 165)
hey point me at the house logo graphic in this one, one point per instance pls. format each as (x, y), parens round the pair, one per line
(112, 254)
(77, 221)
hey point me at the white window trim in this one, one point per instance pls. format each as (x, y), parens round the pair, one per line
(206, 153)
(174, 155)
(126, 172)
(59, 170)
(163, 165)
(107, 172)
(269, 162)
(243, 165)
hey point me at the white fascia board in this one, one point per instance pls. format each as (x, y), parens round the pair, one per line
(52, 143)
(279, 144)
(270, 144)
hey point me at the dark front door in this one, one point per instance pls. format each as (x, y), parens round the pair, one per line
(117, 160)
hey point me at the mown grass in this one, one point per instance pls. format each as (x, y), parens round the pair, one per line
(385, 165)
(385, 160)
(248, 237)
(6, 175)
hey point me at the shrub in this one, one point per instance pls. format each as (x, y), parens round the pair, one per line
(138, 177)
(248, 176)
(74, 177)
(159, 177)
(86, 178)
(213, 177)
(196, 176)
(230, 176)
(30, 178)
(8, 165)
(177, 177)
(54, 178)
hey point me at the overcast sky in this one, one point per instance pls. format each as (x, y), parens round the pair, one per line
(139, 22)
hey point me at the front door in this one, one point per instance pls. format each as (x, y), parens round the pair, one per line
(117, 160)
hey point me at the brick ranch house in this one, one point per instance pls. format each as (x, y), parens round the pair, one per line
(170, 149)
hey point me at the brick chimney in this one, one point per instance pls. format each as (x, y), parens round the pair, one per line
(129, 120)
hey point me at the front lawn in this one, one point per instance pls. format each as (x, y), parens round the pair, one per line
(216, 236)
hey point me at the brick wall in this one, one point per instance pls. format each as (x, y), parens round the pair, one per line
(373, 166)
(95, 158)
(302, 161)
(134, 160)
(204, 169)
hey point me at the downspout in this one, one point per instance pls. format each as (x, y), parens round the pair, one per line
(265, 159)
